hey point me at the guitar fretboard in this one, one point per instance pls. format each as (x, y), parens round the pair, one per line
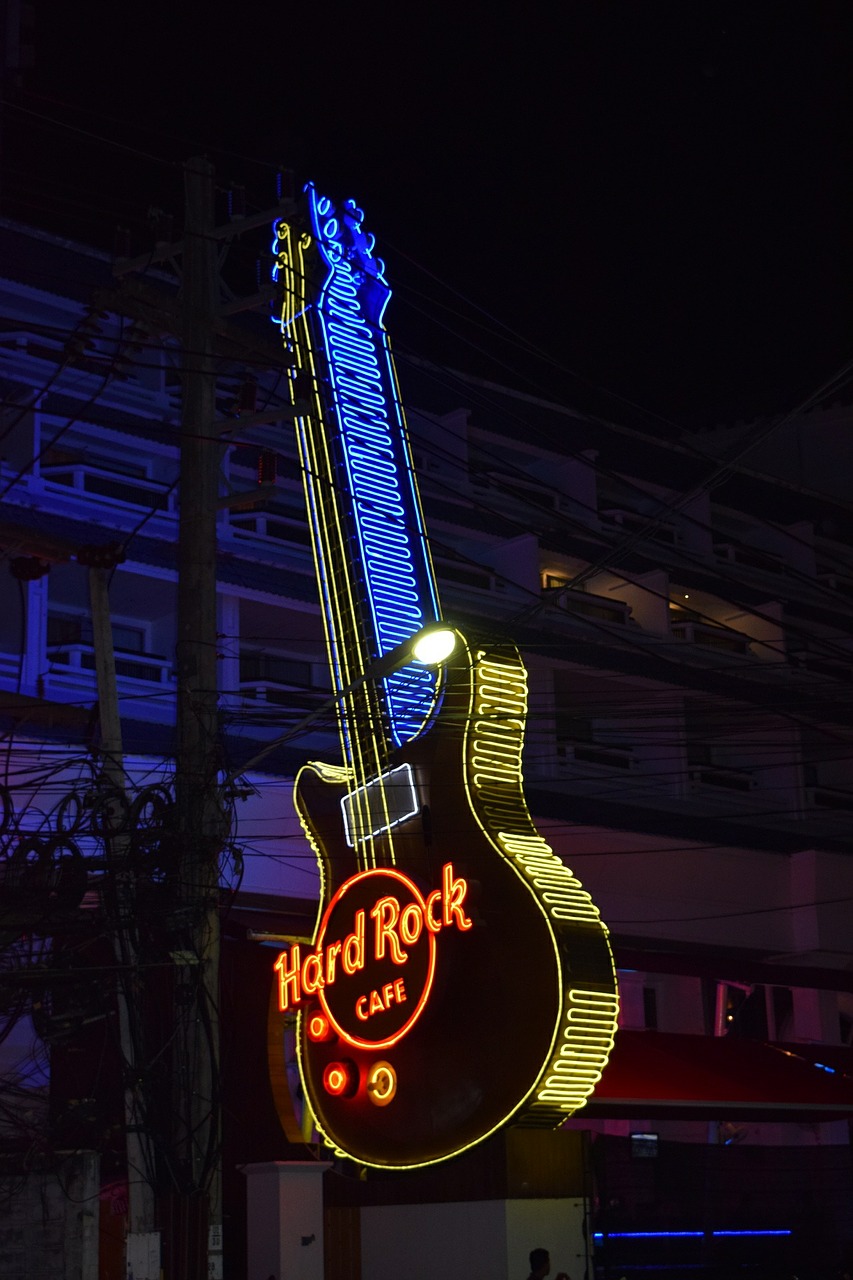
(373, 565)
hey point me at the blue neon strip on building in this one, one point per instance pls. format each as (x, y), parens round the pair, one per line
(750, 1233)
(398, 588)
(648, 1235)
(600, 1236)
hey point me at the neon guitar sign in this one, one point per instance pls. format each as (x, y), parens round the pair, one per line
(398, 938)
(460, 977)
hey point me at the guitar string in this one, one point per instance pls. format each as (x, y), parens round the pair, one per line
(364, 707)
(361, 700)
(347, 639)
(322, 498)
(368, 700)
(340, 604)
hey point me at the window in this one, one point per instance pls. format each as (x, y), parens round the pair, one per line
(258, 668)
(741, 1011)
(465, 575)
(70, 648)
(68, 629)
(71, 628)
(716, 757)
(650, 1008)
(585, 741)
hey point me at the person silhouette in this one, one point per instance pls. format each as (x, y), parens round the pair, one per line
(540, 1266)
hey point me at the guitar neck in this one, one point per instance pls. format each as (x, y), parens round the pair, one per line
(373, 565)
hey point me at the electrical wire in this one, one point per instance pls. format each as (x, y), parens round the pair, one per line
(147, 517)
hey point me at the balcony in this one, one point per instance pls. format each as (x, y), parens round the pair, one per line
(839, 582)
(819, 797)
(274, 693)
(594, 753)
(79, 657)
(456, 574)
(648, 528)
(107, 486)
(749, 557)
(271, 526)
(709, 636)
(722, 779)
(586, 605)
(275, 680)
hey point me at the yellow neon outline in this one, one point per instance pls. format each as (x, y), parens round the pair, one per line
(493, 741)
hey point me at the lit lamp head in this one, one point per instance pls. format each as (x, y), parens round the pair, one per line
(433, 644)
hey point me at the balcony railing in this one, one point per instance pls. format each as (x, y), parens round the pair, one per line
(271, 528)
(111, 486)
(79, 657)
(274, 693)
(585, 604)
(829, 798)
(649, 528)
(611, 757)
(708, 636)
(721, 778)
(750, 557)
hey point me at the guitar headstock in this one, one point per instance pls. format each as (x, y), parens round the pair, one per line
(341, 239)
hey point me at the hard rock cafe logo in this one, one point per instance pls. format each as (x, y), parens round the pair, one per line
(373, 963)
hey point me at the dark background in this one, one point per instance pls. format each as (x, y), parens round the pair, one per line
(653, 192)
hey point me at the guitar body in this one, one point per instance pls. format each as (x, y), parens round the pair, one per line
(498, 1020)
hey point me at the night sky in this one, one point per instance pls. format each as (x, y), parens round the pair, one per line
(654, 194)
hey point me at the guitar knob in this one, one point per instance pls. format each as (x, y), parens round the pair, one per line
(319, 1028)
(340, 1079)
(381, 1083)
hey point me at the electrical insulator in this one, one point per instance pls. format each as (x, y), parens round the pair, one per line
(237, 201)
(163, 224)
(121, 245)
(75, 346)
(28, 568)
(267, 467)
(247, 399)
(106, 555)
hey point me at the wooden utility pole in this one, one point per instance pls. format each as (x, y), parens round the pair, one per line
(142, 1245)
(199, 812)
(191, 1215)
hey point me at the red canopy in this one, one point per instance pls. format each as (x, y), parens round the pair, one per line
(665, 1075)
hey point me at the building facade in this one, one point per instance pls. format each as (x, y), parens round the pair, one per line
(687, 625)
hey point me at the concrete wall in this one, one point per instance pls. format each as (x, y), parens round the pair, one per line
(474, 1240)
(49, 1227)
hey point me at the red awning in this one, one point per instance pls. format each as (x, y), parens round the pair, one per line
(664, 1075)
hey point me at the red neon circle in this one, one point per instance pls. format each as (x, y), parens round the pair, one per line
(358, 1041)
(337, 1078)
(318, 1027)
